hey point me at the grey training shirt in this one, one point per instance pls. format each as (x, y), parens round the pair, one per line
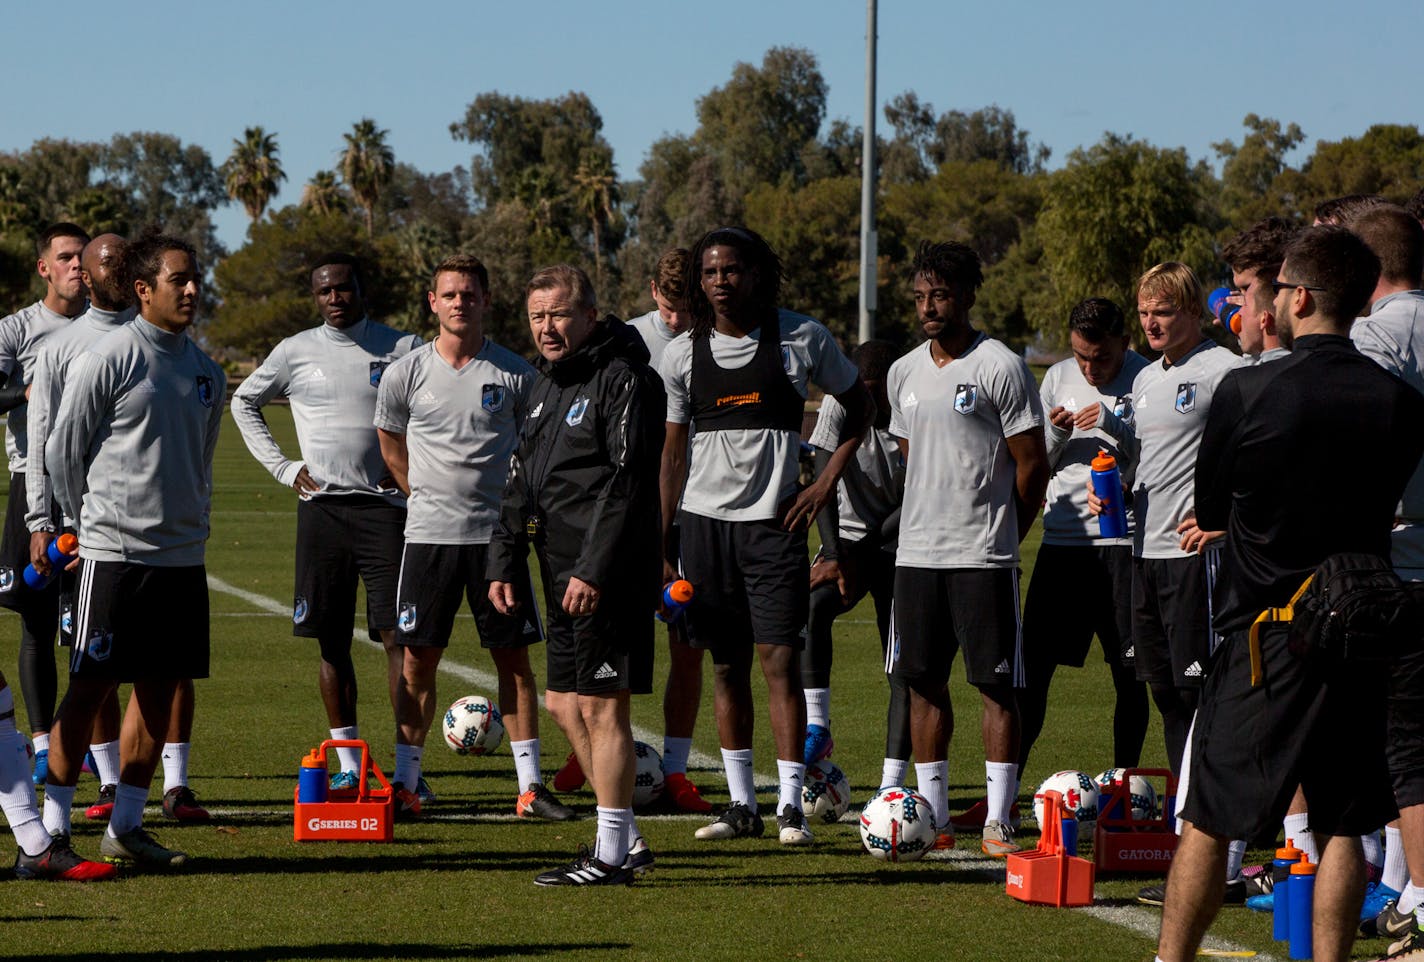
(655, 334)
(460, 429)
(20, 337)
(131, 450)
(873, 483)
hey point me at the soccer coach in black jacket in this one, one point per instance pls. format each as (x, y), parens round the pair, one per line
(583, 490)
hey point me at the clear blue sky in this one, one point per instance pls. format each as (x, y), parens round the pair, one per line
(1175, 74)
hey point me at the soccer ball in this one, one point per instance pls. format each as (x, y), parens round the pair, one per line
(473, 726)
(825, 794)
(1080, 795)
(647, 775)
(1144, 796)
(898, 825)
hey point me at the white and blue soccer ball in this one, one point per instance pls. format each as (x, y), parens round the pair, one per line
(473, 726)
(1140, 790)
(1080, 795)
(647, 775)
(825, 792)
(898, 825)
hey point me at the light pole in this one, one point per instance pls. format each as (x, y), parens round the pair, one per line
(868, 241)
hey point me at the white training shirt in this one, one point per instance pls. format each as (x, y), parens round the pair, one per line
(655, 334)
(873, 483)
(959, 482)
(742, 475)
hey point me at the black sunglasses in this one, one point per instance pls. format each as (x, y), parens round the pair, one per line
(1278, 286)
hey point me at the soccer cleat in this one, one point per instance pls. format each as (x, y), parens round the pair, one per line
(998, 840)
(60, 862)
(407, 802)
(640, 858)
(570, 778)
(345, 782)
(681, 793)
(140, 848)
(423, 790)
(944, 841)
(539, 802)
(1377, 896)
(1152, 894)
(104, 807)
(41, 766)
(1250, 884)
(586, 870)
(1390, 922)
(736, 821)
(973, 818)
(181, 805)
(793, 827)
(819, 744)
(1408, 949)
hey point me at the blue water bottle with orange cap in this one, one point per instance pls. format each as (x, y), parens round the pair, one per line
(61, 551)
(677, 595)
(1107, 485)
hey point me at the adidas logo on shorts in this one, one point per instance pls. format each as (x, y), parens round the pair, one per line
(1003, 668)
(1194, 670)
(605, 671)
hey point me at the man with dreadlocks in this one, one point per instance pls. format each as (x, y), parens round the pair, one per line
(740, 378)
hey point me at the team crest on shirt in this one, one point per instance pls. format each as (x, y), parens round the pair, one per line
(206, 394)
(1186, 397)
(966, 396)
(100, 645)
(405, 620)
(786, 358)
(575, 416)
(1122, 406)
(7, 578)
(66, 618)
(492, 398)
(377, 369)
(299, 610)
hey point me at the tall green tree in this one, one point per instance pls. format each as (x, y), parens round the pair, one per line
(1386, 159)
(323, 194)
(596, 196)
(1251, 186)
(252, 173)
(366, 166)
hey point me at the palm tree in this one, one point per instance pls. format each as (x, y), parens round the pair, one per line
(366, 165)
(323, 193)
(253, 173)
(596, 196)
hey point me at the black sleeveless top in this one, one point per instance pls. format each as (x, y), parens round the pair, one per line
(759, 394)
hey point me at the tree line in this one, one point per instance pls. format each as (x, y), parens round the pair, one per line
(543, 186)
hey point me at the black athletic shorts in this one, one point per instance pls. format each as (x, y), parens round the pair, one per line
(1076, 592)
(338, 540)
(1316, 723)
(138, 622)
(1405, 740)
(15, 555)
(608, 651)
(1171, 620)
(434, 578)
(750, 582)
(939, 611)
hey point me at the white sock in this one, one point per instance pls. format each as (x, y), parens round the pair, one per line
(106, 761)
(675, 752)
(1411, 899)
(175, 765)
(612, 846)
(17, 792)
(1396, 870)
(1297, 827)
(526, 764)
(57, 802)
(738, 764)
(932, 779)
(128, 809)
(39, 739)
(407, 772)
(1374, 851)
(892, 772)
(1001, 779)
(348, 758)
(793, 778)
(818, 707)
(1235, 853)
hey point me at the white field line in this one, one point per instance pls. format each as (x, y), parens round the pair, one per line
(1135, 919)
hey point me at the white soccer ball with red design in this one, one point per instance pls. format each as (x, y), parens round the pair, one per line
(647, 775)
(473, 726)
(825, 793)
(1079, 791)
(898, 825)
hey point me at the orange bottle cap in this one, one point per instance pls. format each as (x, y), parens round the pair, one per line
(67, 543)
(1303, 867)
(1289, 853)
(680, 591)
(314, 759)
(1104, 461)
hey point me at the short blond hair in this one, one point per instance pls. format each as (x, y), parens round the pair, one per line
(1175, 283)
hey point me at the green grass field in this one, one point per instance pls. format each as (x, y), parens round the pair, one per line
(459, 885)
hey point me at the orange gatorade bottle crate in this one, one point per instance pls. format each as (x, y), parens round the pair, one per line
(1123, 842)
(360, 814)
(1048, 875)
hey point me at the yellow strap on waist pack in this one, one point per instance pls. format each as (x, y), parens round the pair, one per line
(1270, 616)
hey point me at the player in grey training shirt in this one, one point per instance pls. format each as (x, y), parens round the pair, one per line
(131, 456)
(58, 250)
(1255, 257)
(448, 416)
(350, 514)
